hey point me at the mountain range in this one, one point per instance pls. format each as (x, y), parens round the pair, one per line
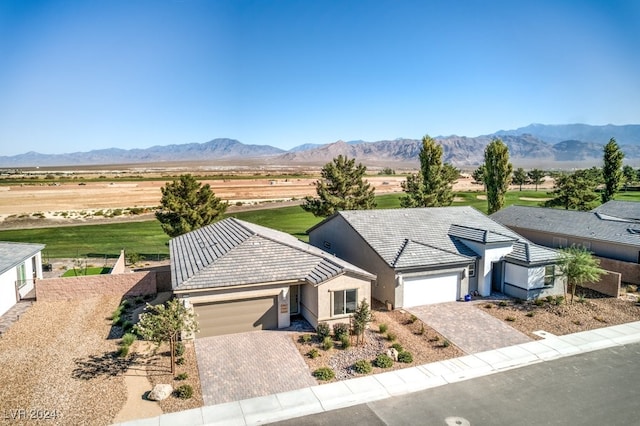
(538, 143)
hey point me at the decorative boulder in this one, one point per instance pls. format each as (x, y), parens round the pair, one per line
(393, 354)
(160, 392)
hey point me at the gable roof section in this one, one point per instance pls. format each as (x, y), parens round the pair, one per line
(13, 254)
(233, 252)
(435, 235)
(587, 225)
(629, 210)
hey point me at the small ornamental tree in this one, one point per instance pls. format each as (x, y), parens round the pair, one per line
(519, 177)
(578, 266)
(342, 187)
(187, 205)
(165, 323)
(361, 318)
(536, 177)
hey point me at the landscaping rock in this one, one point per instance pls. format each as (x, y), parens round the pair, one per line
(393, 354)
(160, 392)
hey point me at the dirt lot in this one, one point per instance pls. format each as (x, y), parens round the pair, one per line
(592, 311)
(424, 343)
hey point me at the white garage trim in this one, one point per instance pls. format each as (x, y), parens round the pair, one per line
(430, 289)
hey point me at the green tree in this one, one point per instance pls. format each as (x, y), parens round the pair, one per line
(611, 170)
(578, 266)
(387, 171)
(361, 318)
(536, 177)
(187, 205)
(478, 175)
(520, 177)
(629, 175)
(574, 191)
(342, 187)
(165, 323)
(432, 186)
(497, 174)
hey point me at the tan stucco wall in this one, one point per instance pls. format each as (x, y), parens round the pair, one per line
(309, 303)
(133, 284)
(343, 282)
(630, 271)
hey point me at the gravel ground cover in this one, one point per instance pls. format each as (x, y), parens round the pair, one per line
(591, 311)
(57, 365)
(424, 343)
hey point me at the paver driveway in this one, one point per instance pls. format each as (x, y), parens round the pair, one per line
(468, 327)
(246, 365)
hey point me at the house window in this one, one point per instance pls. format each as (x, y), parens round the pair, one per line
(472, 270)
(344, 301)
(22, 275)
(549, 275)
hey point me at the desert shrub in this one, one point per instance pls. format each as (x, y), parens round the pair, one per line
(383, 328)
(184, 391)
(117, 313)
(599, 319)
(446, 343)
(327, 343)
(581, 298)
(550, 299)
(398, 347)
(531, 314)
(126, 303)
(391, 336)
(123, 351)
(434, 338)
(127, 326)
(324, 373)
(518, 301)
(362, 366)
(182, 376)
(558, 300)
(412, 319)
(179, 349)
(313, 353)
(538, 302)
(117, 212)
(128, 339)
(405, 357)
(305, 338)
(323, 330)
(632, 288)
(180, 361)
(421, 331)
(510, 319)
(577, 322)
(340, 329)
(383, 361)
(503, 303)
(139, 300)
(488, 306)
(345, 341)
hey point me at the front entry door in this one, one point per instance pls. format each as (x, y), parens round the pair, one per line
(496, 276)
(294, 299)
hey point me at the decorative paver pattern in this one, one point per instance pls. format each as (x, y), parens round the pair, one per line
(247, 365)
(467, 327)
(13, 314)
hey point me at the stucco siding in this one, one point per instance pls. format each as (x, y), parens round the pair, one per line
(488, 254)
(528, 283)
(326, 291)
(309, 303)
(7, 290)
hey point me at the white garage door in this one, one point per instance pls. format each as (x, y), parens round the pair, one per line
(427, 290)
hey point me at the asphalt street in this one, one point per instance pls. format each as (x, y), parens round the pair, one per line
(595, 388)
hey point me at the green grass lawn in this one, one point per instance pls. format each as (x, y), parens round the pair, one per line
(148, 240)
(78, 272)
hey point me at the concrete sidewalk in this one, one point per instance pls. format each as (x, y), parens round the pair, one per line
(346, 393)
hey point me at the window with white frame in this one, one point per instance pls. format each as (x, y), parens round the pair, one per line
(472, 270)
(345, 301)
(549, 275)
(22, 275)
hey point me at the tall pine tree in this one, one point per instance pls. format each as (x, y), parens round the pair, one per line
(342, 187)
(612, 170)
(433, 185)
(497, 174)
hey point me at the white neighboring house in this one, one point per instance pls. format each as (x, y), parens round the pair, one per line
(20, 266)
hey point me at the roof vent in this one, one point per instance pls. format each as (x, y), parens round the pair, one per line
(634, 231)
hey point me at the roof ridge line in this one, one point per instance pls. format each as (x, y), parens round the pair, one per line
(402, 247)
(441, 249)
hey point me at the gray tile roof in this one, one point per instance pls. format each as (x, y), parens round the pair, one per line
(12, 254)
(440, 230)
(233, 252)
(629, 210)
(587, 225)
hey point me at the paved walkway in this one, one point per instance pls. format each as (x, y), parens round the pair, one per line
(468, 327)
(317, 399)
(247, 365)
(13, 314)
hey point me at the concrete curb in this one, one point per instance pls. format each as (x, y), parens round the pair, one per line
(316, 399)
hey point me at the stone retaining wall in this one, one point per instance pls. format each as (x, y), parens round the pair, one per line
(131, 284)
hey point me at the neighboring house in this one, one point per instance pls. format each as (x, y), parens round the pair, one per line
(241, 277)
(612, 235)
(433, 255)
(20, 266)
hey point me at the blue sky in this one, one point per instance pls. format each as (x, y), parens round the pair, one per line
(81, 75)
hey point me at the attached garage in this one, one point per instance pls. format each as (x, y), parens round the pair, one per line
(236, 316)
(427, 290)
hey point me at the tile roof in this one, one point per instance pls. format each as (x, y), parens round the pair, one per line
(436, 233)
(233, 252)
(12, 254)
(629, 210)
(588, 225)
